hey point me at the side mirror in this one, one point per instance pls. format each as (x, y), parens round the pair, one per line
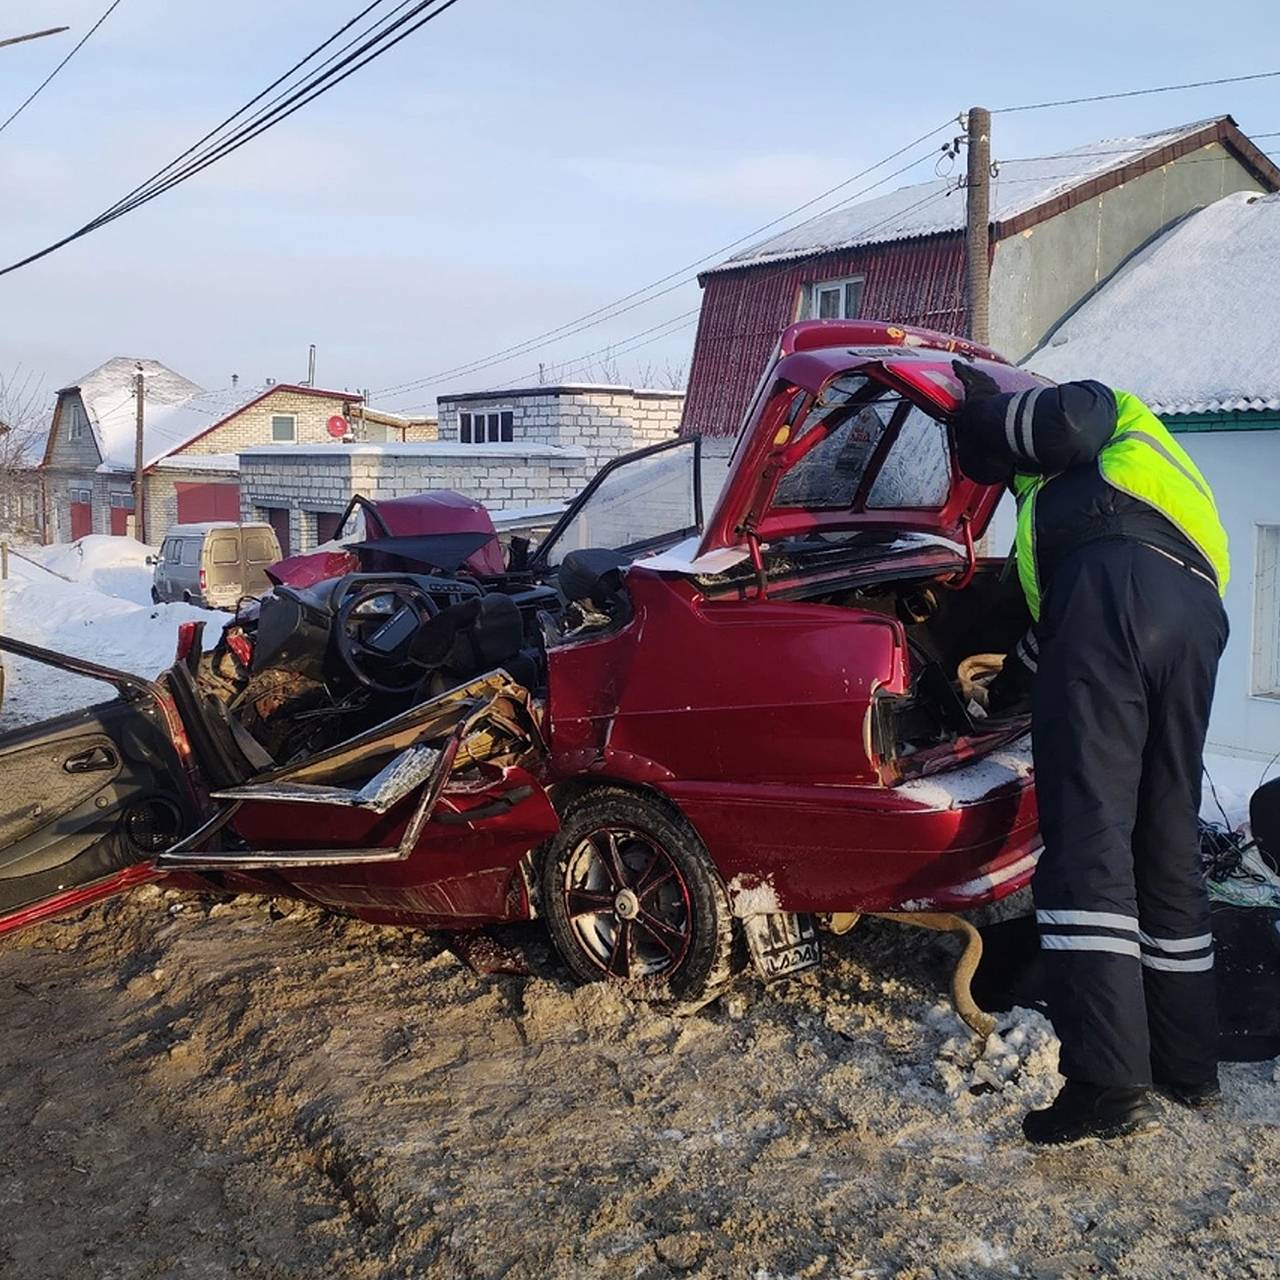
(152, 560)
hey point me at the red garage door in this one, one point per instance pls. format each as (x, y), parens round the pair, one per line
(278, 519)
(81, 520)
(197, 502)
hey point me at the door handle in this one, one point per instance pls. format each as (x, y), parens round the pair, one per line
(94, 760)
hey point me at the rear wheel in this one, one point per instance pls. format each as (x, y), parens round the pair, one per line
(155, 596)
(630, 894)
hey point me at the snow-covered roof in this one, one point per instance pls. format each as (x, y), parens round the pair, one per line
(175, 412)
(200, 462)
(931, 208)
(1191, 324)
(107, 393)
(443, 449)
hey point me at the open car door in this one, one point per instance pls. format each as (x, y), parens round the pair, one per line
(89, 798)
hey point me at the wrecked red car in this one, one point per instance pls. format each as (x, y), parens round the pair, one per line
(658, 731)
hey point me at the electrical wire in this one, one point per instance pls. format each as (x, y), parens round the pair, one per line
(625, 345)
(40, 88)
(612, 310)
(235, 115)
(295, 99)
(1134, 93)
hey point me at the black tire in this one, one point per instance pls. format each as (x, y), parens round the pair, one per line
(155, 596)
(673, 936)
(186, 597)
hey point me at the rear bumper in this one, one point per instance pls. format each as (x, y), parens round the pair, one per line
(953, 842)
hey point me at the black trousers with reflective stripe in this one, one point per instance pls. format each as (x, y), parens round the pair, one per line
(1129, 649)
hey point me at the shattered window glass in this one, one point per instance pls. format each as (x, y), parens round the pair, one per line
(917, 470)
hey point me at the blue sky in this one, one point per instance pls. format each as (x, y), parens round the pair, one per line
(511, 166)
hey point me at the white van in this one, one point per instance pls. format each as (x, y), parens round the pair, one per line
(213, 564)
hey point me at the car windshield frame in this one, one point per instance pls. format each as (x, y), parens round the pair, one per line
(539, 558)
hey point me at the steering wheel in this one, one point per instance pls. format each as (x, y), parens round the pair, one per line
(374, 643)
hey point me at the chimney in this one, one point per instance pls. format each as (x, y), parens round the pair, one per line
(235, 378)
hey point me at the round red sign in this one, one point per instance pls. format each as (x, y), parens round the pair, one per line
(337, 426)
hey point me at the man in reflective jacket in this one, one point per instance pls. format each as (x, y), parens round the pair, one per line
(1123, 562)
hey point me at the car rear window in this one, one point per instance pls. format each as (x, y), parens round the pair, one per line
(875, 440)
(225, 551)
(190, 551)
(258, 548)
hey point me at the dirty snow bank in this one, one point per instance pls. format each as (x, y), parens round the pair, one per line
(80, 618)
(329, 1098)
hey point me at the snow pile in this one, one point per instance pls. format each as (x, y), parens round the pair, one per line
(81, 619)
(111, 565)
(1019, 1060)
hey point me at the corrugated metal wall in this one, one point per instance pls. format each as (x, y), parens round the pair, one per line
(913, 282)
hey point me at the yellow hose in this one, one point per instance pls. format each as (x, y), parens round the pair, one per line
(961, 992)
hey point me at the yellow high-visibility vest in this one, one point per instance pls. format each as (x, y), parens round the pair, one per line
(1143, 460)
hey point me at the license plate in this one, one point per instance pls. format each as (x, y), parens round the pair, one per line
(782, 943)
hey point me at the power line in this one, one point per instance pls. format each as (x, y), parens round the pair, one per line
(302, 94)
(625, 345)
(275, 111)
(44, 83)
(1135, 93)
(612, 310)
(235, 115)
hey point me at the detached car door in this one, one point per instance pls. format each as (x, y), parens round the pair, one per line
(87, 799)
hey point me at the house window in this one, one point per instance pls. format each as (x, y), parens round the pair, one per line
(122, 501)
(1266, 613)
(833, 299)
(77, 494)
(284, 426)
(76, 431)
(497, 427)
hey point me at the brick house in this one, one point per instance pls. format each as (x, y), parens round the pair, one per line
(604, 420)
(191, 439)
(524, 453)
(1061, 225)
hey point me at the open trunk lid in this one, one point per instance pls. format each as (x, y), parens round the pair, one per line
(849, 430)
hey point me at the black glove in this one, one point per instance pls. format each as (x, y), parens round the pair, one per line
(977, 385)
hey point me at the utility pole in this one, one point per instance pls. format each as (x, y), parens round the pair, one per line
(978, 223)
(35, 35)
(139, 497)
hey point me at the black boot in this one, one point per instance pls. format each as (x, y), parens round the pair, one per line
(1205, 1093)
(1082, 1111)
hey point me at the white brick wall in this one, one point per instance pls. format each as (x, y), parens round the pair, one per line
(322, 480)
(606, 421)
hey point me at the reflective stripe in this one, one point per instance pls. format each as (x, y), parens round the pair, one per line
(1026, 421)
(1010, 414)
(1148, 439)
(1174, 945)
(1033, 645)
(1100, 919)
(1197, 964)
(1023, 654)
(1082, 942)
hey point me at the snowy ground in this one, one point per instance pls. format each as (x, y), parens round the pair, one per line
(194, 1088)
(104, 613)
(199, 1089)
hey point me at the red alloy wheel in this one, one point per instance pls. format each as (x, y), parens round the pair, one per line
(627, 903)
